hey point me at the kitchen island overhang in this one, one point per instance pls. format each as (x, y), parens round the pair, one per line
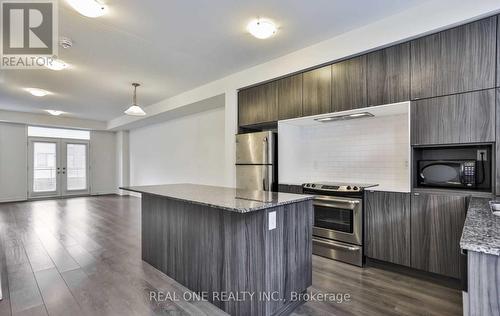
(249, 252)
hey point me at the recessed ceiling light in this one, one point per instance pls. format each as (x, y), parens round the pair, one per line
(262, 28)
(88, 8)
(37, 92)
(56, 64)
(54, 112)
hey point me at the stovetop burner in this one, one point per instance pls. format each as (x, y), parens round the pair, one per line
(337, 186)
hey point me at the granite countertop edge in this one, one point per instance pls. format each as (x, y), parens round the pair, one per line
(264, 206)
(481, 232)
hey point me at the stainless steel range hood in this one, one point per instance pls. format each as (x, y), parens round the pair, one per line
(353, 116)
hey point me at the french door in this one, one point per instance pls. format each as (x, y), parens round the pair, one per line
(58, 167)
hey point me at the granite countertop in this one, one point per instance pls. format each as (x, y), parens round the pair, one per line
(481, 231)
(231, 199)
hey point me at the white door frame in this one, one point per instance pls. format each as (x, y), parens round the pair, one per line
(61, 167)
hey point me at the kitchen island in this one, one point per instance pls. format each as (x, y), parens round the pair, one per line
(247, 252)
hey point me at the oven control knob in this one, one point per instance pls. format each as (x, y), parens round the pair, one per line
(355, 188)
(348, 187)
(313, 185)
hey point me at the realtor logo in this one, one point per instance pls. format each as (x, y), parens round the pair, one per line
(29, 33)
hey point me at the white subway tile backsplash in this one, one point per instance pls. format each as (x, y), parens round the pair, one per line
(365, 150)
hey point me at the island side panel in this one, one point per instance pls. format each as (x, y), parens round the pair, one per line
(289, 254)
(184, 241)
(483, 284)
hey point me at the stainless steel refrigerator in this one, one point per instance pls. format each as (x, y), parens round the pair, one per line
(256, 159)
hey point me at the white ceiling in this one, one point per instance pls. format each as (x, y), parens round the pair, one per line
(173, 46)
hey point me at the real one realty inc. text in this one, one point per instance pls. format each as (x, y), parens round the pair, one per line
(228, 296)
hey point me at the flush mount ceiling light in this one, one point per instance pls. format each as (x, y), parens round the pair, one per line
(262, 28)
(88, 8)
(37, 92)
(135, 109)
(54, 112)
(56, 64)
(344, 117)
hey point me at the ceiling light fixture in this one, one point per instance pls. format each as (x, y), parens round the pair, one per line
(56, 64)
(135, 109)
(343, 117)
(37, 92)
(262, 28)
(54, 112)
(88, 8)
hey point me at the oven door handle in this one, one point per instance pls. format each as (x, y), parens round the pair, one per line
(351, 205)
(334, 244)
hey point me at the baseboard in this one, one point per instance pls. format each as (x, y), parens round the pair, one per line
(419, 274)
(13, 199)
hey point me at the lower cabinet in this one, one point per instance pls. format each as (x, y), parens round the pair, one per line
(419, 230)
(436, 227)
(387, 226)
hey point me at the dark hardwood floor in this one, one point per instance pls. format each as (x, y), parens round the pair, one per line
(82, 256)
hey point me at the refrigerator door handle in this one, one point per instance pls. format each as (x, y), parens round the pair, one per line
(265, 150)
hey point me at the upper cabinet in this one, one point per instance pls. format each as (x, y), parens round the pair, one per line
(460, 118)
(349, 84)
(388, 75)
(317, 96)
(258, 104)
(457, 60)
(290, 97)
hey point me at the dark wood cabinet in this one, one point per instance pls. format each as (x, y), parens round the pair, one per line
(436, 228)
(461, 118)
(290, 97)
(317, 96)
(498, 52)
(388, 75)
(454, 61)
(497, 186)
(258, 104)
(290, 188)
(387, 226)
(349, 84)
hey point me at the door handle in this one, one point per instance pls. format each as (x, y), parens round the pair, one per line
(266, 149)
(336, 245)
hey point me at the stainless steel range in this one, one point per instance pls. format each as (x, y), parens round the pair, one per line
(338, 220)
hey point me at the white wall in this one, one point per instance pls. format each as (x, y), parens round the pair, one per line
(103, 170)
(370, 150)
(13, 162)
(187, 149)
(122, 161)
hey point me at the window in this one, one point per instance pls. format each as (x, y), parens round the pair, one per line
(36, 131)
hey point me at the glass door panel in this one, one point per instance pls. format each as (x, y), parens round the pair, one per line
(44, 167)
(76, 167)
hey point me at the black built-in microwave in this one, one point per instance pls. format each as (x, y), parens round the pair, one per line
(447, 173)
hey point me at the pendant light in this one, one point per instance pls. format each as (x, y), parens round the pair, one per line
(134, 109)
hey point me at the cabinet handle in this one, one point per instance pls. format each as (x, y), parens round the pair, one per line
(416, 194)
